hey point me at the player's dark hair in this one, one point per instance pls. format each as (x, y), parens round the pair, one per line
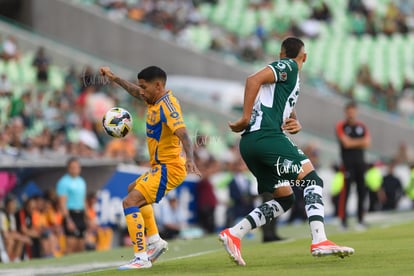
(292, 46)
(71, 159)
(351, 104)
(152, 73)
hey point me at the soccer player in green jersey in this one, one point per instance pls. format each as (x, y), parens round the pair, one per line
(277, 163)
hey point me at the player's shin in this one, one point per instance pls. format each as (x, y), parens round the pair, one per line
(262, 214)
(314, 206)
(136, 228)
(150, 224)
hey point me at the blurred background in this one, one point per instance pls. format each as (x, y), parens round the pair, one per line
(52, 98)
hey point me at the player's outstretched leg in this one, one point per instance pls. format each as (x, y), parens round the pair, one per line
(232, 245)
(320, 246)
(261, 215)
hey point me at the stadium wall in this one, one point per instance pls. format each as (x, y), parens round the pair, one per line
(87, 28)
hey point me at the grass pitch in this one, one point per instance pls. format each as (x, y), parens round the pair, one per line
(386, 248)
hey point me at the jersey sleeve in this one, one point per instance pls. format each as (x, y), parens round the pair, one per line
(61, 187)
(366, 130)
(282, 69)
(340, 129)
(174, 118)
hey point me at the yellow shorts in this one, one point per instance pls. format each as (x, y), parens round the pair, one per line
(159, 180)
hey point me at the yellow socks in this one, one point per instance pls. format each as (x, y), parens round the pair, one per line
(149, 219)
(136, 229)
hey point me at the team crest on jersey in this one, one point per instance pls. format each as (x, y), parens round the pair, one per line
(152, 116)
(281, 65)
(174, 115)
(282, 76)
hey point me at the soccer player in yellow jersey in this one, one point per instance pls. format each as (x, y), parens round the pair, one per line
(166, 137)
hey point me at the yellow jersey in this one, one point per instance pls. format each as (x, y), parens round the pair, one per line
(163, 118)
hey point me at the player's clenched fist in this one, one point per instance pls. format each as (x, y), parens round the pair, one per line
(106, 71)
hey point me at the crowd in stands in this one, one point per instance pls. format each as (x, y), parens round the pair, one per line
(250, 30)
(39, 118)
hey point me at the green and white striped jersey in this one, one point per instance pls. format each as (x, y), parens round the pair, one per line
(275, 101)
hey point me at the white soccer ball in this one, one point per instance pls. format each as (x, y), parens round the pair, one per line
(117, 122)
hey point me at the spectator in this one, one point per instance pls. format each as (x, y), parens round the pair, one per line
(391, 188)
(41, 62)
(124, 149)
(205, 197)
(97, 237)
(5, 86)
(321, 12)
(91, 232)
(55, 222)
(241, 192)
(373, 180)
(27, 226)
(336, 186)
(42, 222)
(410, 189)
(13, 239)
(170, 220)
(71, 191)
(9, 49)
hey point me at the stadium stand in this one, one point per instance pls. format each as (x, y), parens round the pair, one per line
(343, 37)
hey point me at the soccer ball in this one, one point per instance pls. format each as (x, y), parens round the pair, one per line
(117, 122)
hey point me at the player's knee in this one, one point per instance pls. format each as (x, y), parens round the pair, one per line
(312, 178)
(134, 198)
(286, 202)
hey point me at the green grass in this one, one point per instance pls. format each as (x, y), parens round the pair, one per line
(381, 250)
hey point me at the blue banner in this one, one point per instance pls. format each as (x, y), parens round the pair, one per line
(110, 196)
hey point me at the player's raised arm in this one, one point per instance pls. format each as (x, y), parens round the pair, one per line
(252, 86)
(130, 87)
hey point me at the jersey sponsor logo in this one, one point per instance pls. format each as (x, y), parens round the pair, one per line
(359, 130)
(178, 123)
(287, 167)
(139, 238)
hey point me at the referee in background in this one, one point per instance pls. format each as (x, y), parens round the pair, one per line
(353, 136)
